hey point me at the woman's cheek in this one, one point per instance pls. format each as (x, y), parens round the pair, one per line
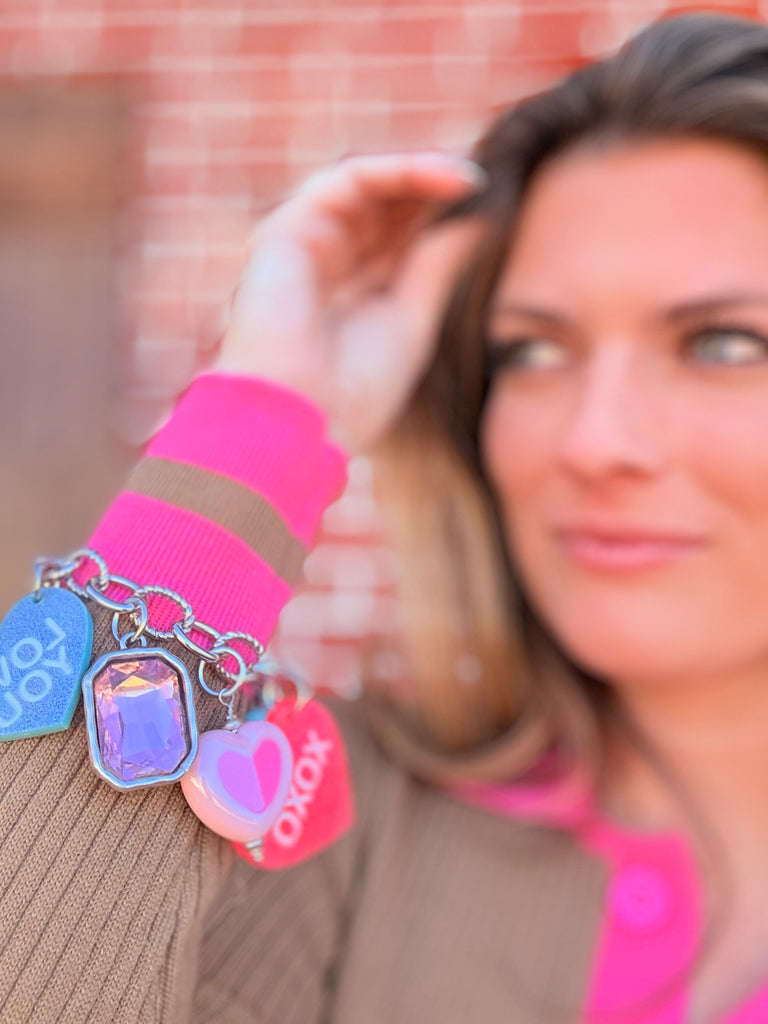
(516, 443)
(722, 451)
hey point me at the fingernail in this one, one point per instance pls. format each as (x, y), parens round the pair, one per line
(474, 174)
(471, 172)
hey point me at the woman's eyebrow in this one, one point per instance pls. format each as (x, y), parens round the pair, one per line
(711, 304)
(671, 314)
(532, 312)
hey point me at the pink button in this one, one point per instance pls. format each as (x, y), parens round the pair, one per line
(641, 898)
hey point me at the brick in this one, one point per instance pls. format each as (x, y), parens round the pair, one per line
(546, 36)
(165, 86)
(276, 39)
(15, 40)
(164, 179)
(510, 80)
(215, 30)
(491, 30)
(405, 36)
(265, 179)
(168, 133)
(350, 566)
(170, 278)
(123, 44)
(259, 129)
(216, 270)
(207, 86)
(343, 616)
(415, 129)
(399, 80)
(732, 7)
(175, 315)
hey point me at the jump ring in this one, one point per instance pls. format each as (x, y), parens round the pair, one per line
(239, 679)
(141, 608)
(186, 641)
(236, 635)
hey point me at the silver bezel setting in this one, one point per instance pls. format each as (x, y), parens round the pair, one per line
(138, 654)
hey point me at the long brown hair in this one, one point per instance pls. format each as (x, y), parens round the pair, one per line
(692, 74)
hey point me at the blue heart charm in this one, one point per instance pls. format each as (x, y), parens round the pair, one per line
(45, 648)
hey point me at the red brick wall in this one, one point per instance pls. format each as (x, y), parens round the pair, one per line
(235, 103)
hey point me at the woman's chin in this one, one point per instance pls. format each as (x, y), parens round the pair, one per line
(633, 654)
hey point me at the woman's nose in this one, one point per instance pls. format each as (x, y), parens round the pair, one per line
(613, 426)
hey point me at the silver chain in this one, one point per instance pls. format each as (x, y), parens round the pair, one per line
(51, 572)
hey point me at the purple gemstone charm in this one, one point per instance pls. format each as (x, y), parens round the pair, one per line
(140, 717)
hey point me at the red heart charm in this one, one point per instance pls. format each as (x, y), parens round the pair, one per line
(319, 807)
(239, 781)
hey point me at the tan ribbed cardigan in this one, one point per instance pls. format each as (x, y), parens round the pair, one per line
(122, 908)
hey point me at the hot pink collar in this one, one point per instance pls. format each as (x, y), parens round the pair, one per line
(651, 928)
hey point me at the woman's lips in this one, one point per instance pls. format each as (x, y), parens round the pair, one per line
(622, 552)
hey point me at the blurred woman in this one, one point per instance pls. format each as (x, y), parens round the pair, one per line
(560, 364)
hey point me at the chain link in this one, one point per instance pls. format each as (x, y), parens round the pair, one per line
(186, 641)
(182, 602)
(83, 555)
(247, 638)
(106, 602)
(54, 572)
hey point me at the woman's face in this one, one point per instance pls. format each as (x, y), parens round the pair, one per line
(626, 433)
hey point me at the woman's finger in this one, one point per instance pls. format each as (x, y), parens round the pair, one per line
(352, 183)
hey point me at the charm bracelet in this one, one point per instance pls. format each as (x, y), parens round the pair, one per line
(138, 699)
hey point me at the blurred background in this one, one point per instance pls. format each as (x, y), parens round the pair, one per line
(139, 142)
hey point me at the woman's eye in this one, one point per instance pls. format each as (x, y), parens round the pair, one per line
(526, 354)
(728, 346)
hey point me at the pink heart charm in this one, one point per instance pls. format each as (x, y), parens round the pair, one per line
(239, 781)
(237, 775)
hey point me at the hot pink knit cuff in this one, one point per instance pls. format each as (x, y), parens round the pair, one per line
(225, 501)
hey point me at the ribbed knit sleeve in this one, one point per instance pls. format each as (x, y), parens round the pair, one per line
(226, 501)
(105, 896)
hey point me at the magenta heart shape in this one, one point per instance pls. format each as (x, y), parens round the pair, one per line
(252, 781)
(239, 781)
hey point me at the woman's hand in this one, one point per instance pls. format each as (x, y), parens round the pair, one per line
(345, 285)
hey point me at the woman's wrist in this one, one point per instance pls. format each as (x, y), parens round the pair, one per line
(271, 362)
(305, 384)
